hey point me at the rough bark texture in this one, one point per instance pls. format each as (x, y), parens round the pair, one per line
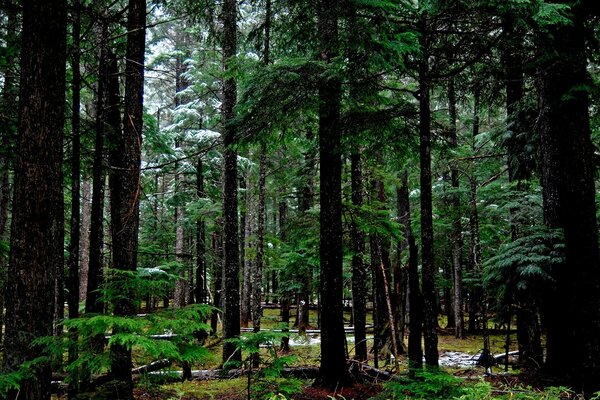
(94, 273)
(415, 327)
(457, 244)
(217, 277)
(181, 286)
(305, 202)
(84, 246)
(359, 273)
(427, 254)
(231, 316)
(572, 312)
(7, 135)
(125, 185)
(333, 357)
(73, 263)
(260, 241)
(474, 260)
(245, 219)
(37, 221)
(201, 286)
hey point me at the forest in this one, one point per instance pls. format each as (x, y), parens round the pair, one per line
(299, 199)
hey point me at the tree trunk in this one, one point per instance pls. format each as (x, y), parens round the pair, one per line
(305, 202)
(415, 323)
(333, 373)
(201, 286)
(245, 234)
(125, 184)
(9, 99)
(231, 317)
(217, 277)
(359, 273)
(572, 309)
(285, 296)
(457, 260)
(430, 311)
(93, 304)
(181, 286)
(37, 234)
(260, 240)
(75, 229)
(84, 247)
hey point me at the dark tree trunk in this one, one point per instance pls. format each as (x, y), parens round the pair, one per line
(37, 234)
(415, 323)
(359, 273)
(572, 305)
(304, 204)
(93, 304)
(75, 237)
(125, 156)
(181, 286)
(231, 317)
(430, 311)
(201, 286)
(476, 297)
(245, 234)
(260, 241)
(84, 245)
(457, 259)
(217, 277)
(73, 276)
(285, 296)
(8, 127)
(333, 372)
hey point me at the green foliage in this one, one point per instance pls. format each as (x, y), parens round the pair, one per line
(426, 385)
(267, 382)
(526, 262)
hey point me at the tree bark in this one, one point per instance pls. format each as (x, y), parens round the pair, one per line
(93, 304)
(359, 273)
(457, 259)
(572, 306)
(260, 241)
(333, 356)
(8, 127)
(125, 185)
(231, 317)
(37, 234)
(246, 263)
(430, 311)
(201, 284)
(415, 327)
(84, 246)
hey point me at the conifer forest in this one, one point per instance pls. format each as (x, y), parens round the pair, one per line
(299, 199)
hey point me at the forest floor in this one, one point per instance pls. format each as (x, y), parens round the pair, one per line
(457, 356)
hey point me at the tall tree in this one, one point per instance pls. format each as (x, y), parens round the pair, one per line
(359, 273)
(231, 316)
(93, 303)
(430, 323)
(415, 301)
(333, 372)
(7, 135)
(125, 157)
(572, 309)
(201, 284)
(37, 221)
(457, 259)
